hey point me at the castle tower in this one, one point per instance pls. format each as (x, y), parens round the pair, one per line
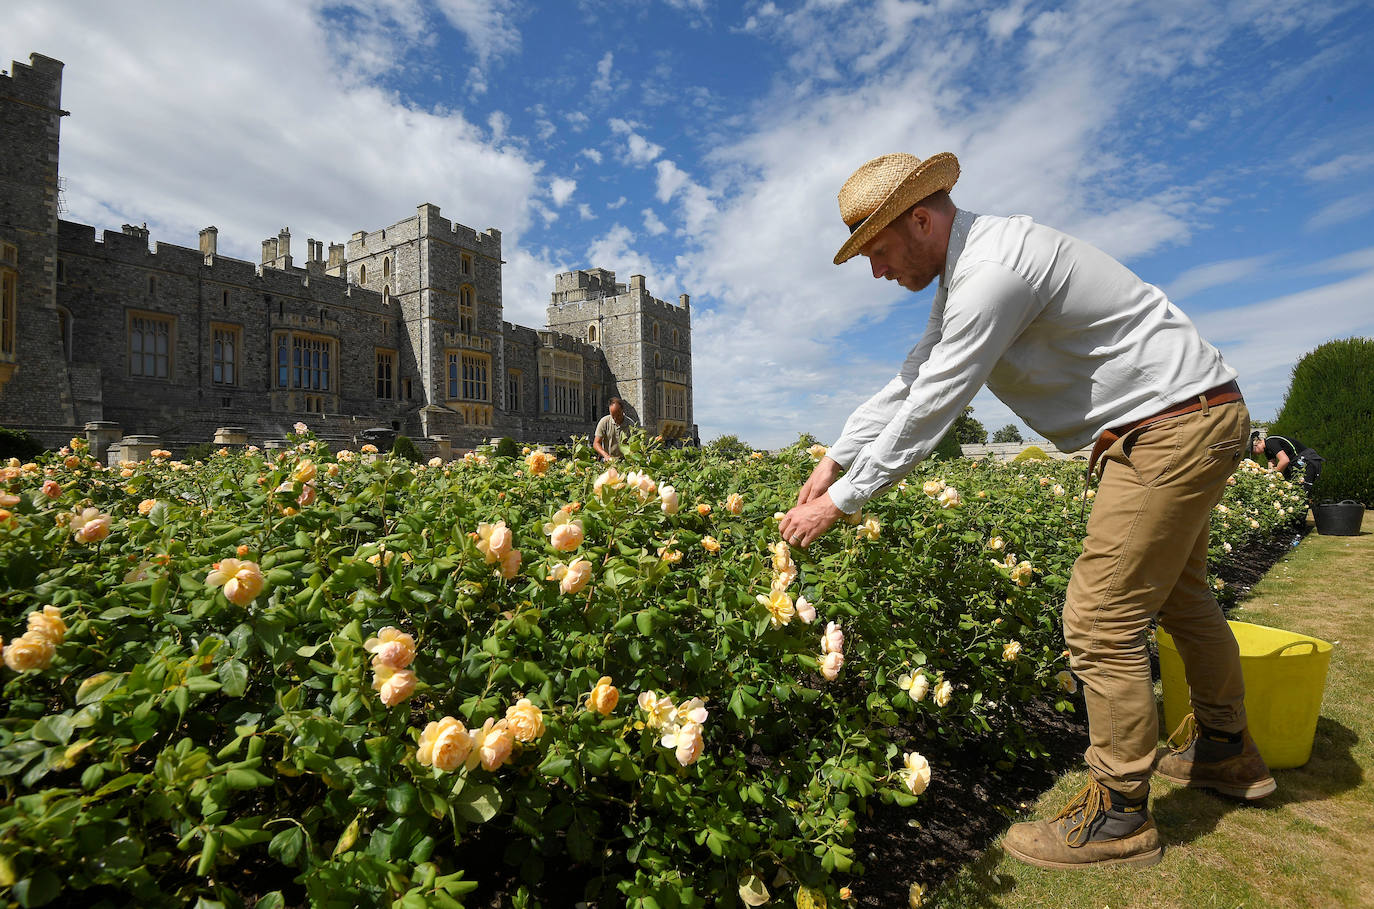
(647, 343)
(33, 329)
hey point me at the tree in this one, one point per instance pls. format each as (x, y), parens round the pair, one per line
(1330, 406)
(1008, 433)
(968, 430)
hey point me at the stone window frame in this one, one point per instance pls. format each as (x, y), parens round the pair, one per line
(9, 300)
(386, 268)
(152, 285)
(514, 378)
(591, 334)
(295, 369)
(467, 309)
(560, 383)
(468, 376)
(465, 264)
(152, 320)
(362, 273)
(217, 360)
(676, 338)
(386, 294)
(655, 332)
(384, 384)
(672, 409)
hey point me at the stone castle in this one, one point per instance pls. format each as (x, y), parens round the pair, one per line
(399, 329)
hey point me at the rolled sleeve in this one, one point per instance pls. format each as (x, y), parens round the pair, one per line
(987, 308)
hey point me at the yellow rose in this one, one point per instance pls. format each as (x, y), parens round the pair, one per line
(611, 479)
(526, 721)
(734, 503)
(710, 544)
(1066, 681)
(668, 499)
(242, 580)
(933, 488)
(1011, 651)
(491, 745)
(444, 745)
(779, 605)
(305, 472)
(915, 772)
(703, 509)
(944, 691)
(817, 451)
(48, 624)
(604, 696)
(146, 506)
(871, 529)
(31, 651)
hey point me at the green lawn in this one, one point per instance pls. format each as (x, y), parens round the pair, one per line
(1309, 844)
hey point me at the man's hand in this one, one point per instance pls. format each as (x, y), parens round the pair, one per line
(806, 523)
(826, 472)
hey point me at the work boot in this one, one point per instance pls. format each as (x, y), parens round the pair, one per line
(1203, 758)
(1098, 827)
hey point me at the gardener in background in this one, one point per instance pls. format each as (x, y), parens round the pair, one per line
(1287, 454)
(1082, 350)
(609, 430)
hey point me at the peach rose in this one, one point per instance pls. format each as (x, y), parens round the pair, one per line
(611, 479)
(444, 745)
(950, 498)
(494, 541)
(832, 641)
(538, 462)
(242, 580)
(831, 664)
(668, 498)
(658, 711)
(604, 696)
(734, 503)
(394, 685)
(146, 506)
(703, 509)
(307, 496)
(642, 484)
(510, 564)
(31, 651)
(573, 576)
(526, 721)
(566, 537)
(90, 525)
(52, 489)
(391, 648)
(805, 610)
(689, 745)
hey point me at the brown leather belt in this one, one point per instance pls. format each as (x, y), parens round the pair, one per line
(1222, 394)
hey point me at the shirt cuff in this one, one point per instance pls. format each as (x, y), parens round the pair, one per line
(845, 497)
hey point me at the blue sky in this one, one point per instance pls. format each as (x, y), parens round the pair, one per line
(1225, 151)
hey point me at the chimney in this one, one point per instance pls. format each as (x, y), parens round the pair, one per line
(337, 264)
(140, 232)
(284, 246)
(269, 251)
(685, 301)
(209, 241)
(636, 282)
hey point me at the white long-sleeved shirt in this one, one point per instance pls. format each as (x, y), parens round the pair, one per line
(1067, 337)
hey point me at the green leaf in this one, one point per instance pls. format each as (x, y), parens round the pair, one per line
(97, 686)
(478, 802)
(38, 889)
(56, 728)
(286, 846)
(233, 674)
(402, 799)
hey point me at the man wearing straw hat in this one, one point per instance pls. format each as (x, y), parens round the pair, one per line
(1085, 352)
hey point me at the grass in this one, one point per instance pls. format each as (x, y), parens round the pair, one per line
(1311, 844)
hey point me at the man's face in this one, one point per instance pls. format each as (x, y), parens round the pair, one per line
(1257, 447)
(616, 410)
(901, 253)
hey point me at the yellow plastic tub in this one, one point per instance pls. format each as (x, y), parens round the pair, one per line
(1285, 674)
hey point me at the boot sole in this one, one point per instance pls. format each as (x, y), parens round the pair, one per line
(1256, 790)
(1142, 860)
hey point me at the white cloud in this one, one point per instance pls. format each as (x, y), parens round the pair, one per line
(486, 24)
(585, 212)
(652, 224)
(1346, 208)
(1340, 166)
(617, 203)
(561, 190)
(1215, 274)
(577, 120)
(602, 84)
(637, 149)
(670, 179)
(498, 123)
(591, 154)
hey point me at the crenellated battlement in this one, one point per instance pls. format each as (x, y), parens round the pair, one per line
(39, 82)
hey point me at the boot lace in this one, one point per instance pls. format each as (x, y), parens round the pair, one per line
(1184, 736)
(1091, 801)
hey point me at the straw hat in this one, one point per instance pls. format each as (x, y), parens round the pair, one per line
(885, 187)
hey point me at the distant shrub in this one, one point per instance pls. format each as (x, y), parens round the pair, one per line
(1330, 406)
(948, 447)
(201, 451)
(16, 443)
(1031, 453)
(506, 448)
(1008, 433)
(730, 446)
(403, 447)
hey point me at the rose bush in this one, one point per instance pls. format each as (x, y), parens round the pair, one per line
(237, 692)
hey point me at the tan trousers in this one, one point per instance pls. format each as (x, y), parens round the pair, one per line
(1145, 558)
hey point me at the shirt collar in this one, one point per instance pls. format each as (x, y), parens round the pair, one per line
(958, 236)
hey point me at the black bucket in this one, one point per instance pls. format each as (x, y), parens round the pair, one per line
(1339, 519)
